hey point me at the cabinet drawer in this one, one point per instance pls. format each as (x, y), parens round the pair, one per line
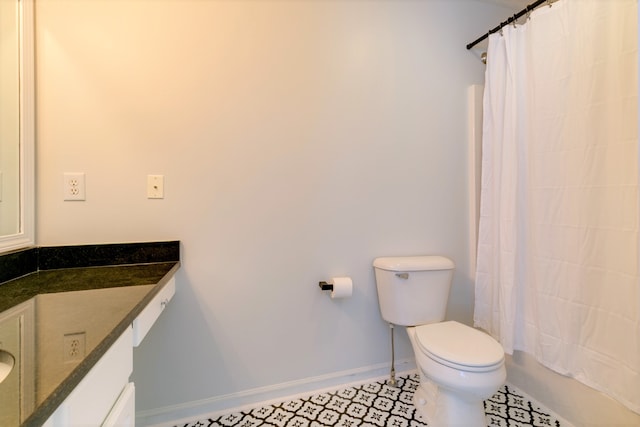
(90, 402)
(123, 413)
(149, 315)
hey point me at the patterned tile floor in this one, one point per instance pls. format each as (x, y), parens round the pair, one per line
(377, 405)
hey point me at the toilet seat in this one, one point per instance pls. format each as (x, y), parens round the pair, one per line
(459, 346)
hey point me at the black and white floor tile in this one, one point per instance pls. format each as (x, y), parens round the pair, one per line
(377, 405)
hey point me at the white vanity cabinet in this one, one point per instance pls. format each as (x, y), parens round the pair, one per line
(105, 397)
(90, 403)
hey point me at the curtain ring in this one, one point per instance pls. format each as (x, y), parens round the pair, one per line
(515, 20)
(502, 25)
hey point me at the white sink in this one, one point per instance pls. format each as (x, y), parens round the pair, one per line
(6, 364)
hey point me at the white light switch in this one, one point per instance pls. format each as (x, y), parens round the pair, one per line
(155, 186)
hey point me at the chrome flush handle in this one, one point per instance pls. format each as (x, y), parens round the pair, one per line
(402, 275)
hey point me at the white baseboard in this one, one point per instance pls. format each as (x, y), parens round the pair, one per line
(249, 399)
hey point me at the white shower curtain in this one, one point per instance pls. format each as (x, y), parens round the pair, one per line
(558, 257)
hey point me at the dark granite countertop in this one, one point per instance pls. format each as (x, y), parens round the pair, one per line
(87, 294)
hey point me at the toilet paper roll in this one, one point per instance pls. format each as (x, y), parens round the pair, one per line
(342, 287)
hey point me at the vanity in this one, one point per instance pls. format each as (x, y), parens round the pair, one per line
(70, 318)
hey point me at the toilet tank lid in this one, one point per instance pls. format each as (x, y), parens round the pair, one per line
(414, 263)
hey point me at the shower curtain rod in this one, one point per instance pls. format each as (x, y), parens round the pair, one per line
(514, 18)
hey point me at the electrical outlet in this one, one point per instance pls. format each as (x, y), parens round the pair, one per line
(74, 347)
(74, 188)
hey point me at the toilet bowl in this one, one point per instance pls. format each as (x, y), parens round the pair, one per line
(459, 368)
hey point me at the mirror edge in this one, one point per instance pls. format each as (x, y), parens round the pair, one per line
(26, 236)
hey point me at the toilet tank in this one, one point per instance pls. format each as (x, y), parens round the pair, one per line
(413, 290)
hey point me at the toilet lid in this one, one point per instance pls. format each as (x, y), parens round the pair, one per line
(459, 346)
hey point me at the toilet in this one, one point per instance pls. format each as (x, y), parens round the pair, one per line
(459, 366)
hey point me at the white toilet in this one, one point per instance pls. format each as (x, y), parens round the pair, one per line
(459, 366)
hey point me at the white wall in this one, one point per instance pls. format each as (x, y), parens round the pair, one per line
(299, 140)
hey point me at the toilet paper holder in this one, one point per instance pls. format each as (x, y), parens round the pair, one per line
(326, 286)
(339, 287)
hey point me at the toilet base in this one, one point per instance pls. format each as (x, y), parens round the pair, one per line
(441, 408)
